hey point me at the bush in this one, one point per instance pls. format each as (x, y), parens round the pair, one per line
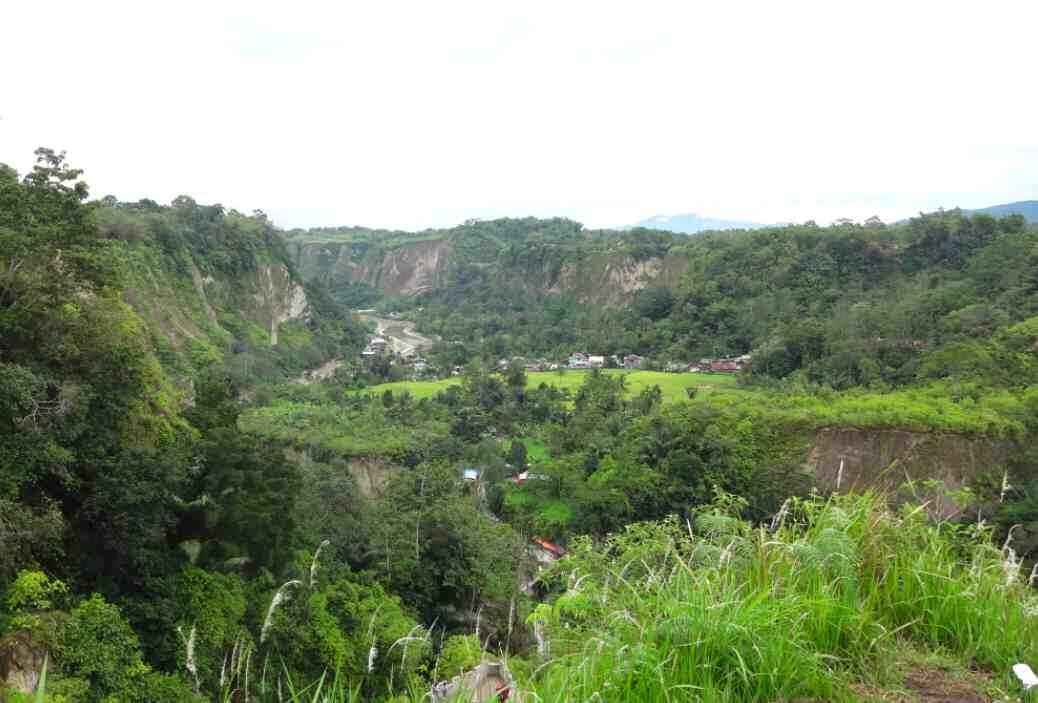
(98, 645)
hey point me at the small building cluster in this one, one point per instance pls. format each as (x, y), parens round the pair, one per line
(581, 360)
(377, 346)
(708, 365)
(725, 365)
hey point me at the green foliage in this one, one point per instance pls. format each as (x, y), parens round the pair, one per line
(98, 645)
(353, 628)
(214, 606)
(459, 653)
(438, 549)
(741, 615)
(34, 590)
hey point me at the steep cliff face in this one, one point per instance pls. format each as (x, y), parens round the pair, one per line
(280, 297)
(215, 288)
(194, 313)
(421, 266)
(611, 280)
(889, 459)
(405, 270)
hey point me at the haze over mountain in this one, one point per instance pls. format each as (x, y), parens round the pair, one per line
(691, 223)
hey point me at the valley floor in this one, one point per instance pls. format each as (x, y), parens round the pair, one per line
(672, 385)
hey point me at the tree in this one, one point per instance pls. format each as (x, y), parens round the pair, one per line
(653, 303)
(246, 488)
(517, 455)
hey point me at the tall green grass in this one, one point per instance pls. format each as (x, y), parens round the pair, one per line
(724, 612)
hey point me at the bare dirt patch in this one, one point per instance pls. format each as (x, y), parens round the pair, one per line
(934, 686)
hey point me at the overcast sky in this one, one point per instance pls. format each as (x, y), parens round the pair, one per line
(413, 115)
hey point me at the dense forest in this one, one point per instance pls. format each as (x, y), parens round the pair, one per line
(184, 516)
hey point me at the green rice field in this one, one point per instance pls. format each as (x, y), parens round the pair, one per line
(673, 385)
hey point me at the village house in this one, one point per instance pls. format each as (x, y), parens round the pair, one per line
(578, 360)
(521, 478)
(596, 362)
(731, 365)
(633, 361)
(546, 552)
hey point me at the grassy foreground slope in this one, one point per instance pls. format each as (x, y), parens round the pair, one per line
(818, 607)
(834, 600)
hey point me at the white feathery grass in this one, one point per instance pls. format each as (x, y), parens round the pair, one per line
(313, 563)
(279, 598)
(372, 656)
(373, 650)
(1009, 537)
(245, 688)
(780, 516)
(189, 655)
(1011, 565)
(511, 617)
(542, 642)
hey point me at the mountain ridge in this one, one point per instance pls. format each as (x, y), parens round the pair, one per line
(1027, 208)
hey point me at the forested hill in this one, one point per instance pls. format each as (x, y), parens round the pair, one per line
(846, 305)
(130, 337)
(216, 287)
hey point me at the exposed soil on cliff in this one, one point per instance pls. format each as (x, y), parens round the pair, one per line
(895, 460)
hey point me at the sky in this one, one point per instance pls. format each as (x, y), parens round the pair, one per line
(423, 114)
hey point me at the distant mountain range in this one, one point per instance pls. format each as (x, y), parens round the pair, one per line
(690, 223)
(1027, 208)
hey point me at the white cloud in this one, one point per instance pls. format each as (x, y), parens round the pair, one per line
(415, 114)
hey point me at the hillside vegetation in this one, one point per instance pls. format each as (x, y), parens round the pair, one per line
(944, 296)
(219, 288)
(185, 516)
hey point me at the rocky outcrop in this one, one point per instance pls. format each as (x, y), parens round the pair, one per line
(490, 681)
(890, 460)
(371, 474)
(604, 280)
(280, 296)
(21, 661)
(421, 265)
(406, 270)
(191, 312)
